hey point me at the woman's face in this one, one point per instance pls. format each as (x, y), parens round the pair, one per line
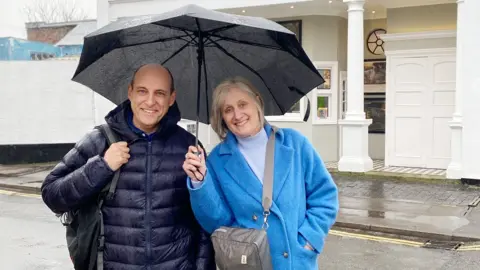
(240, 113)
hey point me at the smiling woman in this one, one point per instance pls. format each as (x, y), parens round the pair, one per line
(225, 189)
(238, 107)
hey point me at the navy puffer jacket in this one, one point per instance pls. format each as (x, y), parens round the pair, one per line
(149, 223)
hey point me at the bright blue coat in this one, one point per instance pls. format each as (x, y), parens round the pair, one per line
(305, 198)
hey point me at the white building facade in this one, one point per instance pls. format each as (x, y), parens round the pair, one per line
(400, 77)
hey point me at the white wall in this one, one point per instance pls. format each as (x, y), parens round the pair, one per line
(376, 146)
(40, 104)
(423, 18)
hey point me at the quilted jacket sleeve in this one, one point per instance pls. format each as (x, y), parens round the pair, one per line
(205, 255)
(81, 174)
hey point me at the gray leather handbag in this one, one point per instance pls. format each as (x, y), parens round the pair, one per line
(248, 249)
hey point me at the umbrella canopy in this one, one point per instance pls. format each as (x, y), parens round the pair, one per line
(201, 48)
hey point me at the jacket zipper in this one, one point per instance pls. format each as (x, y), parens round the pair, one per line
(149, 204)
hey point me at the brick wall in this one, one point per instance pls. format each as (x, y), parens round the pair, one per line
(48, 34)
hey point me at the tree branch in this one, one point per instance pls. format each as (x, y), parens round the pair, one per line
(50, 11)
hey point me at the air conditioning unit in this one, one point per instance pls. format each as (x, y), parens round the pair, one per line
(188, 125)
(192, 128)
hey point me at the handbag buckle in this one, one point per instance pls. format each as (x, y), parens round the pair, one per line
(265, 219)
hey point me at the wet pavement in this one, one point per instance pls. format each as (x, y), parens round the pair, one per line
(434, 211)
(351, 253)
(32, 238)
(24, 169)
(26, 183)
(441, 194)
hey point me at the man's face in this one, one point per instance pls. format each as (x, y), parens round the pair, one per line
(150, 97)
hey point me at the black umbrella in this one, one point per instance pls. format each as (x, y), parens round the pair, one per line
(191, 40)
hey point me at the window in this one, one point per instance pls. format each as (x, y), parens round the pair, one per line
(295, 108)
(374, 105)
(322, 107)
(192, 128)
(40, 56)
(188, 125)
(343, 94)
(326, 94)
(295, 114)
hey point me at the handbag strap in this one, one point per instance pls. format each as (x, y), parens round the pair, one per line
(268, 177)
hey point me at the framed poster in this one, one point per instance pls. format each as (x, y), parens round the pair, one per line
(375, 75)
(326, 74)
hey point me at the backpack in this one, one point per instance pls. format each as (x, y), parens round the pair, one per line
(84, 226)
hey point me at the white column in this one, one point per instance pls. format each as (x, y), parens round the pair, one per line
(102, 13)
(354, 156)
(454, 170)
(471, 94)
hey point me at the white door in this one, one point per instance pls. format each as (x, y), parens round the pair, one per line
(441, 105)
(420, 100)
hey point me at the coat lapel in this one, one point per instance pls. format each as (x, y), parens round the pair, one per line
(237, 167)
(281, 168)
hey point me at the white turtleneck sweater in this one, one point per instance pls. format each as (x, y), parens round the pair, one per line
(253, 149)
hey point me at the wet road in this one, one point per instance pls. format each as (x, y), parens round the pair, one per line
(352, 253)
(31, 238)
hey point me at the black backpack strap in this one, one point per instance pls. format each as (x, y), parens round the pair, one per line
(111, 138)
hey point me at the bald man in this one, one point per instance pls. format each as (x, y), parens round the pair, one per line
(149, 223)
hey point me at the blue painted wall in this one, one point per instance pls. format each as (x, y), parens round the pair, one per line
(70, 50)
(20, 49)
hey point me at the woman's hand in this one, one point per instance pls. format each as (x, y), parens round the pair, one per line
(308, 247)
(194, 164)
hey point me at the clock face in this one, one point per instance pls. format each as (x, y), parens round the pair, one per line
(375, 43)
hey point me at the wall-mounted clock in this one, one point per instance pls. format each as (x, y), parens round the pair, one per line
(375, 43)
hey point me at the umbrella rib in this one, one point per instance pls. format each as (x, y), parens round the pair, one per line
(155, 41)
(205, 32)
(191, 36)
(222, 28)
(248, 67)
(248, 43)
(206, 86)
(211, 33)
(186, 40)
(210, 44)
(176, 52)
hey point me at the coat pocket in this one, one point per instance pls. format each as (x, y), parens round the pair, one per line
(301, 242)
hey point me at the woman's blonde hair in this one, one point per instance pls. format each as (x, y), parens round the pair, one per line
(219, 94)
